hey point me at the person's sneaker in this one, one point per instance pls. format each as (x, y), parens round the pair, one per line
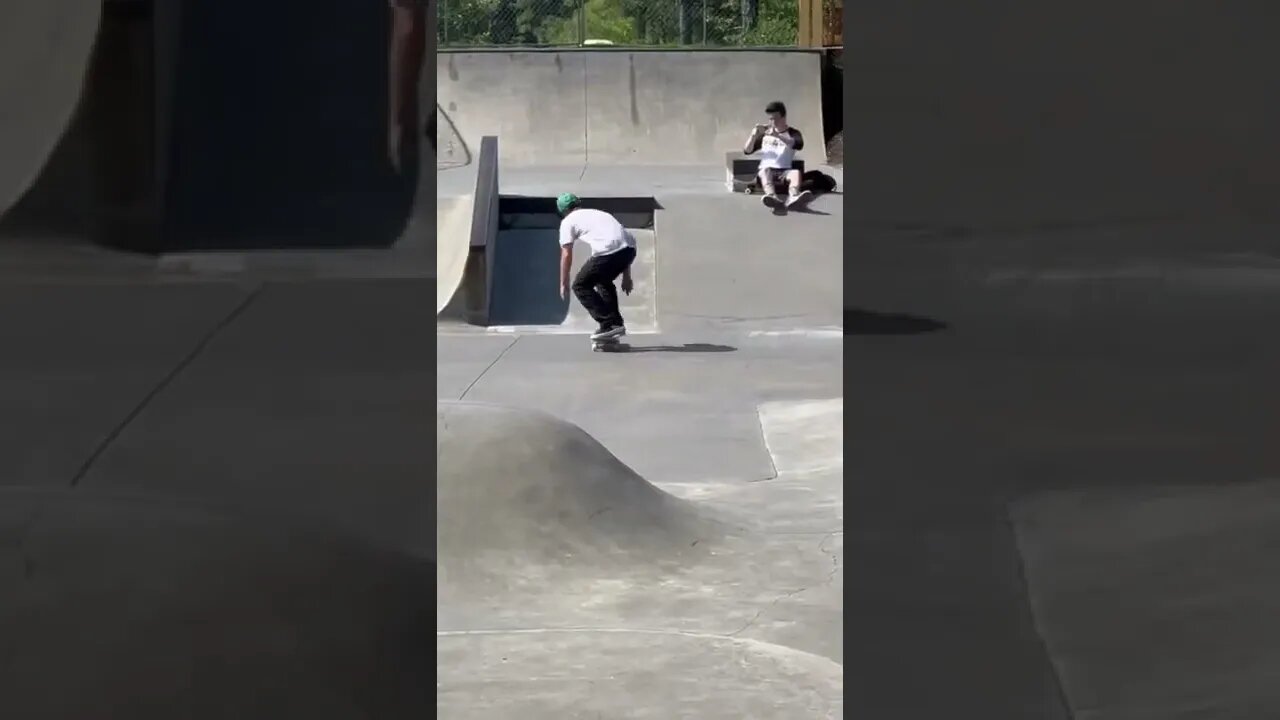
(799, 199)
(613, 332)
(771, 200)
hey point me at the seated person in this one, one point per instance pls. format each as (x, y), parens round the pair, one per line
(777, 144)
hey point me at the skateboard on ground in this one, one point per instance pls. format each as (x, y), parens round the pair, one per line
(613, 344)
(752, 186)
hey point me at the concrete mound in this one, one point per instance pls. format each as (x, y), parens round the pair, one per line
(520, 488)
(135, 610)
(45, 47)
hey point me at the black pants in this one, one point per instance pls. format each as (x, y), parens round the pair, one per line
(594, 285)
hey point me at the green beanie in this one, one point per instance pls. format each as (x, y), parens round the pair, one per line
(565, 202)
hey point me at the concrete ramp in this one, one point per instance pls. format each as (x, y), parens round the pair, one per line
(521, 488)
(465, 224)
(568, 108)
(45, 46)
(451, 151)
(453, 244)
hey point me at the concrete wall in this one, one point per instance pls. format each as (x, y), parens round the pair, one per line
(625, 107)
(995, 113)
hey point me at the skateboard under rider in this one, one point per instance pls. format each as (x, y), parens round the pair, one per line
(609, 344)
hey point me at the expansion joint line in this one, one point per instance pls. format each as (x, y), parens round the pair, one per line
(164, 383)
(489, 367)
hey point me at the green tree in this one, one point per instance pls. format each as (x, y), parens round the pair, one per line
(624, 22)
(465, 22)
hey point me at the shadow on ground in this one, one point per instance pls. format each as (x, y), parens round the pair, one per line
(866, 322)
(685, 348)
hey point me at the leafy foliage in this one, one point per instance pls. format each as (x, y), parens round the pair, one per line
(622, 22)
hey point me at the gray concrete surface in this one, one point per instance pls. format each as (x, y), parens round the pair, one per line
(1177, 581)
(655, 533)
(687, 522)
(994, 368)
(215, 495)
(194, 391)
(725, 592)
(1065, 284)
(215, 498)
(611, 107)
(134, 608)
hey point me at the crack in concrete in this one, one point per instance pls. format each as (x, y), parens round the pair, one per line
(835, 561)
(484, 372)
(164, 384)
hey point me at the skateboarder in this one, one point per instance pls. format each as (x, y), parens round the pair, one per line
(777, 143)
(613, 249)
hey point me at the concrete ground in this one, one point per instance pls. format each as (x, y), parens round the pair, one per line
(1063, 349)
(213, 495)
(730, 404)
(1063, 458)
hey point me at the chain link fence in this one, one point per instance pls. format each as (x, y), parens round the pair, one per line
(652, 23)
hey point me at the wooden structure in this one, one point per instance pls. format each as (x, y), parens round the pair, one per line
(821, 23)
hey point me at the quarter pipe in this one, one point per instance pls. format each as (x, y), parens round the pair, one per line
(609, 107)
(453, 244)
(40, 82)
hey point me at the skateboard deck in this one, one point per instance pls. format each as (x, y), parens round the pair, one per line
(751, 186)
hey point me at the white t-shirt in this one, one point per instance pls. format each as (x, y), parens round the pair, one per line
(598, 229)
(774, 153)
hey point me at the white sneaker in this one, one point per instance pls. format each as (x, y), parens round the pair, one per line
(610, 333)
(799, 199)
